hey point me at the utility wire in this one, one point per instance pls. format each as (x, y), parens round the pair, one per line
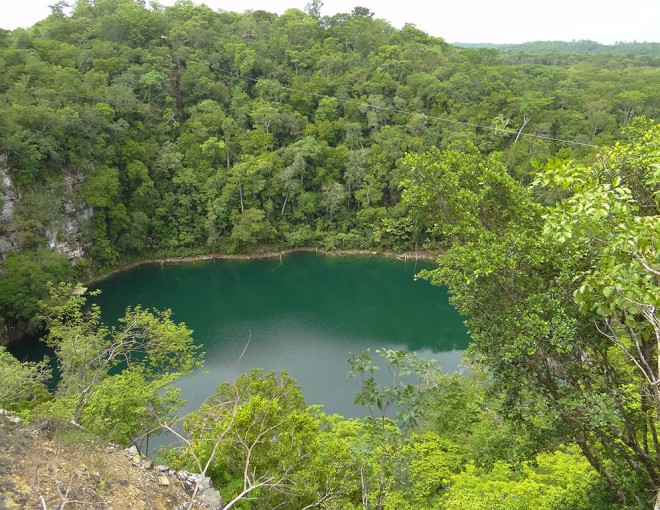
(407, 112)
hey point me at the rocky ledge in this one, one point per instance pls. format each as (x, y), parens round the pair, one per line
(39, 472)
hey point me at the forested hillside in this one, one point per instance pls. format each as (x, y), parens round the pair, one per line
(132, 133)
(129, 133)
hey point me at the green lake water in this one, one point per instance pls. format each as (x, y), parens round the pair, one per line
(304, 313)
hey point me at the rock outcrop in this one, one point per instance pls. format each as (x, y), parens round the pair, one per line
(62, 231)
(9, 197)
(39, 470)
(65, 235)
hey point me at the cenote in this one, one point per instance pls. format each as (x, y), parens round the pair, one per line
(303, 313)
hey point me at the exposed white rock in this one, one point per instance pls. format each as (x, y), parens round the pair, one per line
(8, 193)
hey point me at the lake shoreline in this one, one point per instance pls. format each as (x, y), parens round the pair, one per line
(258, 254)
(264, 254)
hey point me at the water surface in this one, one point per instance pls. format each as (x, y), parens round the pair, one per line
(304, 313)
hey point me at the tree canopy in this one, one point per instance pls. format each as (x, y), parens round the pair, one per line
(559, 282)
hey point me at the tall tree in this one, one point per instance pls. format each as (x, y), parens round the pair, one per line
(511, 267)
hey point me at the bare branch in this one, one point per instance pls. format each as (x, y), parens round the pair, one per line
(526, 119)
(642, 260)
(648, 375)
(245, 492)
(247, 344)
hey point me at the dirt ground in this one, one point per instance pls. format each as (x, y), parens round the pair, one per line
(41, 472)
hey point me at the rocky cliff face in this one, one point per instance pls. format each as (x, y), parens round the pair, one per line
(61, 229)
(64, 236)
(46, 216)
(8, 198)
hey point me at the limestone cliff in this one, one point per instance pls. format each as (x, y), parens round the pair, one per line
(53, 212)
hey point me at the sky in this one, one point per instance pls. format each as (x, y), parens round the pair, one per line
(471, 21)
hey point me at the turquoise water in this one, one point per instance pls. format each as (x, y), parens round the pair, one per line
(304, 313)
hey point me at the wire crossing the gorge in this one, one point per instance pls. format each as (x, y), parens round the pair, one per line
(504, 131)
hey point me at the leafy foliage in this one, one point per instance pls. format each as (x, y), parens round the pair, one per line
(256, 437)
(23, 383)
(194, 130)
(557, 480)
(112, 377)
(560, 298)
